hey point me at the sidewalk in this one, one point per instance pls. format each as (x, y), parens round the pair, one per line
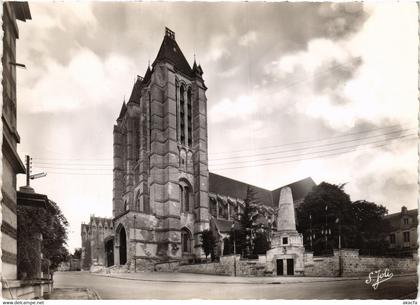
(73, 294)
(209, 278)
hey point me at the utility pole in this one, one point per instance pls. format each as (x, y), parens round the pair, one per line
(28, 170)
(234, 249)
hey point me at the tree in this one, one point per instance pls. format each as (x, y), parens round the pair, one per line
(208, 243)
(77, 253)
(52, 224)
(328, 211)
(251, 228)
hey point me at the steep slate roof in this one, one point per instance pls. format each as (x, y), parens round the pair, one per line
(395, 219)
(299, 190)
(123, 110)
(170, 51)
(236, 189)
(136, 92)
(22, 10)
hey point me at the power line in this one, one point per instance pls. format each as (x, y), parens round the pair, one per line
(312, 140)
(46, 164)
(314, 152)
(48, 160)
(315, 146)
(264, 164)
(303, 159)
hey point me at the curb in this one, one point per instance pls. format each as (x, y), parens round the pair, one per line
(94, 293)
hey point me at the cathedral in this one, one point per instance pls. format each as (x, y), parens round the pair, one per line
(163, 193)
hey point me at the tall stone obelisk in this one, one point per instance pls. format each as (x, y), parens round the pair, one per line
(286, 214)
(286, 254)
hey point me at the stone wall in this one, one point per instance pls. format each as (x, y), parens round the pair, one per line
(321, 266)
(224, 267)
(355, 265)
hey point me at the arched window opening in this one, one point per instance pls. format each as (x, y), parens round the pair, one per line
(181, 197)
(140, 204)
(189, 112)
(185, 196)
(186, 199)
(223, 209)
(186, 241)
(150, 121)
(177, 107)
(213, 207)
(182, 114)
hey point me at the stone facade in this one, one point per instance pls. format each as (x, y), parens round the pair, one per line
(163, 193)
(402, 235)
(95, 235)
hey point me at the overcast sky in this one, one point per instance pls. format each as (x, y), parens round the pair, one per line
(321, 90)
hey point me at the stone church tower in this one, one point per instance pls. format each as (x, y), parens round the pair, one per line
(160, 189)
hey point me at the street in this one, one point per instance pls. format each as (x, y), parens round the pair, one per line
(118, 288)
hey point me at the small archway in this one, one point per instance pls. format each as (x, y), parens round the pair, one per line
(123, 246)
(109, 250)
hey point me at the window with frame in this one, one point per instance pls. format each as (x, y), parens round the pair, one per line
(406, 237)
(405, 221)
(392, 238)
(285, 240)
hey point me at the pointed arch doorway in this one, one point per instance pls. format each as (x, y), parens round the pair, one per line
(123, 246)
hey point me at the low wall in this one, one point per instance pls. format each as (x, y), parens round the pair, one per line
(226, 266)
(321, 265)
(27, 290)
(355, 265)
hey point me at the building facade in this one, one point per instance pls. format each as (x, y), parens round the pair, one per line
(402, 235)
(163, 193)
(11, 163)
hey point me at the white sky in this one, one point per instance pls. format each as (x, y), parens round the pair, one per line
(276, 73)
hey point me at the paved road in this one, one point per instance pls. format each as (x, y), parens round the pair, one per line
(116, 288)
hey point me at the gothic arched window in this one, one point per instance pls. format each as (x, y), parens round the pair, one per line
(185, 196)
(139, 203)
(186, 241)
(187, 199)
(189, 121)
(182, 113)
(181, 196)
